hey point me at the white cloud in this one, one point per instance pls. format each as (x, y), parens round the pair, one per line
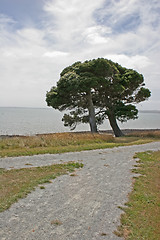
(55, 54)
(31, 35)
(71, 19)
(96, 34)
(28, 67)
(127, 31)
(4, 20)
(72, 11)
(136, 62)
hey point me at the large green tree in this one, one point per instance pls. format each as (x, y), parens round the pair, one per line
(95, 90)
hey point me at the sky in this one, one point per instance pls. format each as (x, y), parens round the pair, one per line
(39, 38)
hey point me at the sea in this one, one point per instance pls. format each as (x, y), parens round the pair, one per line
(31, 121)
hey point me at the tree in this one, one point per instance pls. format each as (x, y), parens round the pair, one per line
(95, 90)
(73, 91)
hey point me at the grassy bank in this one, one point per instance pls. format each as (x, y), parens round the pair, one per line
(17, 183)
(68, 142)
(142, 215)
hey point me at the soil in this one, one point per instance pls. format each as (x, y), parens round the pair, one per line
(80, 206)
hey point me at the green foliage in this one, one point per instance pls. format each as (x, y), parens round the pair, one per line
(111, 88)
(75, 117)
(125, 112)
(142, 94)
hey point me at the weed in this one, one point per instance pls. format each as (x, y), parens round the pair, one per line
(73, 175)
(103, 234)
(106, 165)
(56, 222)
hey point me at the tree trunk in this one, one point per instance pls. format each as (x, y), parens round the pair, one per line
(92, 117)
(114, 125)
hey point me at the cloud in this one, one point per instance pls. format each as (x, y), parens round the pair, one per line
(96, 34)
(28, 67)
(55, 54)
(33, 55)
(71, 21)
(126, 11)
(4, 20)
(136, 62)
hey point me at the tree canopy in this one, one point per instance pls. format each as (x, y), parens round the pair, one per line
(95, 90)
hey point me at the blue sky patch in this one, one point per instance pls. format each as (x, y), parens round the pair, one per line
(23, 12)
(127, 23)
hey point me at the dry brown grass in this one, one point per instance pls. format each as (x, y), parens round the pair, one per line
(65, 142)
(146, 134)
(50, 143)
(53, 140)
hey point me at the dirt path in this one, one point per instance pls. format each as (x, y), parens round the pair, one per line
(85, 206)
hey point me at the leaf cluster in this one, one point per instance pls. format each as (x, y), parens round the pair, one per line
(113, 89)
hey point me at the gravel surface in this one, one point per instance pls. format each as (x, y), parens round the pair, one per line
(85, 206)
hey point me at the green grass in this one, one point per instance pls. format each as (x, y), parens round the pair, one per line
(141, 220)
(64, 142)
(17, 183)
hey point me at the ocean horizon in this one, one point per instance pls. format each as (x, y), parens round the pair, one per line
(31, 121)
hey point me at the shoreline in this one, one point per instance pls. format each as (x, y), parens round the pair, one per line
(125, 131)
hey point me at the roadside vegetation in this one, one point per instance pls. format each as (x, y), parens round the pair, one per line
(69, 142)
(142, 214)
(17, 183)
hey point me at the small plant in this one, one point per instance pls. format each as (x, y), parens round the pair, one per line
(42, 187)
(106, 165)
(73, 175)
(56, 222)
(103, 234)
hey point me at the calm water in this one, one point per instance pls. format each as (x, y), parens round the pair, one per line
(29, 121)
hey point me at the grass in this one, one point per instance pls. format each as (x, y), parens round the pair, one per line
(154, 134)
(65, 142)
(17, 183)
(142, 215)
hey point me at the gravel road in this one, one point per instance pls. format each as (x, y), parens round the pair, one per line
(85, 206)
